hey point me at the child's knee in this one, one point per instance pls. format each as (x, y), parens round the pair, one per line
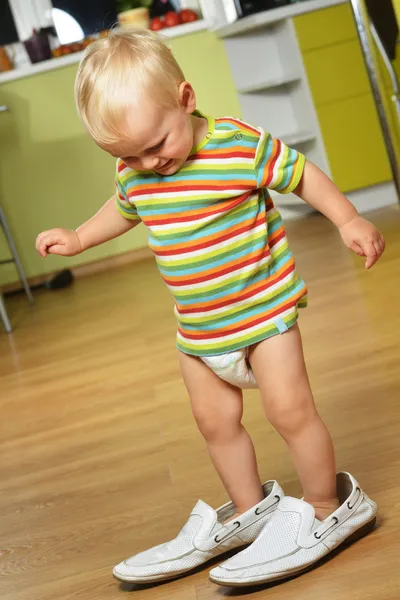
(291, 416)
(218, 424)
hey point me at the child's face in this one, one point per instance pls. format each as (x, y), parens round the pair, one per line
(159, 139)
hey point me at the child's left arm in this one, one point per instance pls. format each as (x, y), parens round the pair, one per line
(358, 234)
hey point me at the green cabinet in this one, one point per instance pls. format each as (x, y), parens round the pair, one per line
(342, 95)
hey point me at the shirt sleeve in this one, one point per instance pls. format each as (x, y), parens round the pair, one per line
(124, 206)
(277, 166)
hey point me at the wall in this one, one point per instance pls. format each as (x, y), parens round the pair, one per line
(52, 175)
(396, 4)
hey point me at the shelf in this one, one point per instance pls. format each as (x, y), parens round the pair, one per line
(184, 28)
(270, 83)
(268, 18)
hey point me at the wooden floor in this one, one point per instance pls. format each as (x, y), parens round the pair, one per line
(99, 454)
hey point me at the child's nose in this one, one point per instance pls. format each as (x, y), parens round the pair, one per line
(150, 162)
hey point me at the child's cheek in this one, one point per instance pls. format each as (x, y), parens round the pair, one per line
(180, 148)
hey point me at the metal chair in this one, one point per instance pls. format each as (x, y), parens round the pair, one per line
(4, 316)
(15, 259)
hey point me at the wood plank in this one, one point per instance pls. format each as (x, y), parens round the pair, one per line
(100, 457)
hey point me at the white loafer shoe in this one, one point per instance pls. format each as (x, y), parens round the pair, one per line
(293, 541)
(202, 538)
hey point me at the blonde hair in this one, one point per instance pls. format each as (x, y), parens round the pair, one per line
(119, 71)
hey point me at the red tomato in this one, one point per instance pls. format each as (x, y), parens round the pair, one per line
(172, 19)
(187, 15)
(156, 24)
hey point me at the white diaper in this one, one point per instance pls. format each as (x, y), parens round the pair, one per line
(233, 368)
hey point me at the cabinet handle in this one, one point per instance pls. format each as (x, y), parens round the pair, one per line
(4, 108)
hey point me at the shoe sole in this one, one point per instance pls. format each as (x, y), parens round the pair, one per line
(150, 581)
(354, 537)
(161, 579)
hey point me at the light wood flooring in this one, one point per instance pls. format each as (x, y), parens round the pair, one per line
(100, 457)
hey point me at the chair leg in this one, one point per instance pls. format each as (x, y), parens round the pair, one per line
(17, 261)
(4, 316)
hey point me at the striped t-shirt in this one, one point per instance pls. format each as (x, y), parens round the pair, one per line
(219, 242)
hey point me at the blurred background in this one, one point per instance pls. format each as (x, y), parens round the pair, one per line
(96, 435)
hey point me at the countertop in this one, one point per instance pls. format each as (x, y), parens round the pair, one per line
(69, 59)
(269, 17)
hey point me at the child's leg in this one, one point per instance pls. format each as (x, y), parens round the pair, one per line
(218, 408)
(280, 371)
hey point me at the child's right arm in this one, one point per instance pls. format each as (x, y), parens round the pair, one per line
(106, 225)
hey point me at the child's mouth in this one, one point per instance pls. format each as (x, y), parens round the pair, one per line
(166, 166)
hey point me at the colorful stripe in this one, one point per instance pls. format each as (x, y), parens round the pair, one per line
(219, 242)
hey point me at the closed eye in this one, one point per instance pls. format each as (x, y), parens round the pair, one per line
(156, 147)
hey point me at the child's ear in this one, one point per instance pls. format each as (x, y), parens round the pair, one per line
(187, 97)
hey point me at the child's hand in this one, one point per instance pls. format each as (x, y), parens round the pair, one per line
(58, 241)
(364, 239)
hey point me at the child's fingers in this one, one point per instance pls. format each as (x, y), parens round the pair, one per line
(56, 249)
(371, 254)
(40, 247)
(357, 249)
(45, 241)
(380, 248)
(39, 240)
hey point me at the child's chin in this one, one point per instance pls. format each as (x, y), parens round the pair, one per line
(172, 168)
